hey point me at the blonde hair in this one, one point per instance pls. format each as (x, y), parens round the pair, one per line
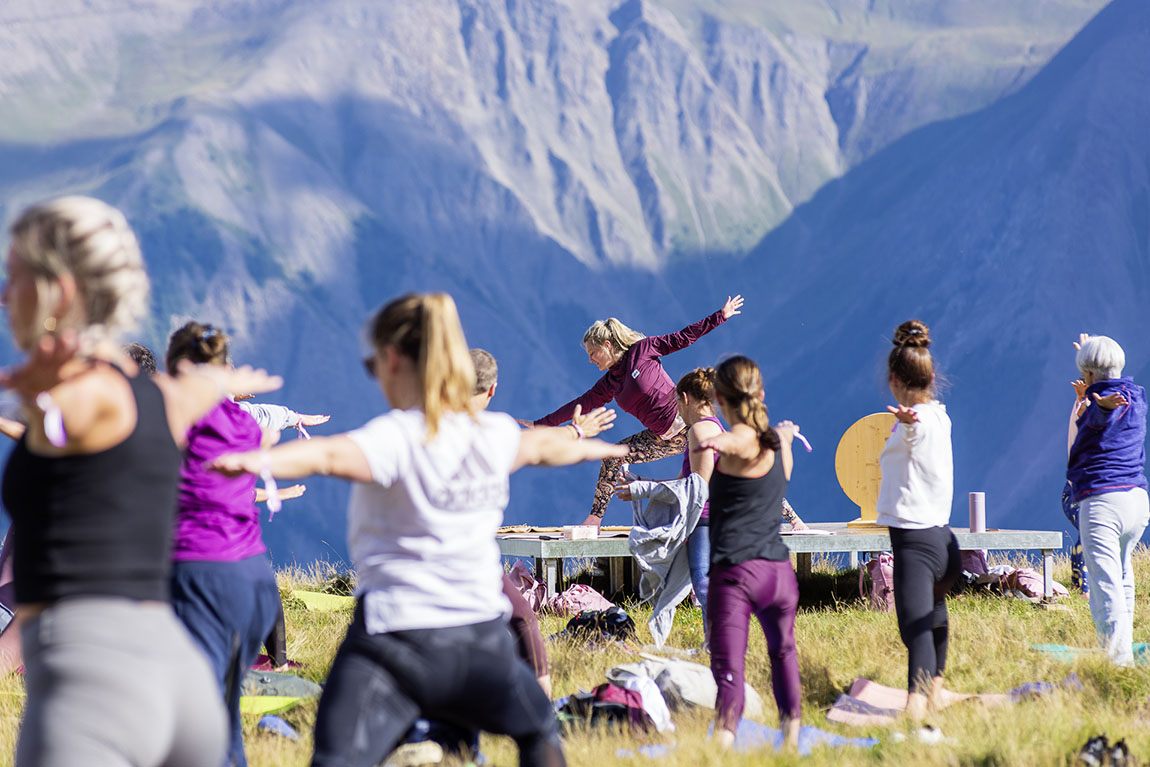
(425, 328)
(738, 381)
(92, 241)
(614, 332)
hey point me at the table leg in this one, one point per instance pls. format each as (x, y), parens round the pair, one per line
(803, 565)
(551, 572)
(615, 574)
(853, 560)
(1047, 573)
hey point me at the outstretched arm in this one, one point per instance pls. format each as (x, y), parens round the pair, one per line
(740, 442)
(673, 342)
(196, 389)
(336, 456)
(597, 396)
(552, 447)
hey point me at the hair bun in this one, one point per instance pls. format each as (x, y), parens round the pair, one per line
(912, 333)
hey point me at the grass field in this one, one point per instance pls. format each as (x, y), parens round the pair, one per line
(838, 640)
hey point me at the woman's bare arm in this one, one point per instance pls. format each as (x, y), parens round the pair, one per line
(336, 456)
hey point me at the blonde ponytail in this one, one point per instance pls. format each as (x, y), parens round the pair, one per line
(614, 332)
(444, 362)
(425, 328)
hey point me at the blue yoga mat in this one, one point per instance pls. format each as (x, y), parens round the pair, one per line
(1067, 654)
(752, 736)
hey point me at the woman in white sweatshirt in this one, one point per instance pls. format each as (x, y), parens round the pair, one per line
(914, 502)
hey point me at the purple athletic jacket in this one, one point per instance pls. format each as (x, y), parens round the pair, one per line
(1109, 453)
(638, 383)
(217, 519)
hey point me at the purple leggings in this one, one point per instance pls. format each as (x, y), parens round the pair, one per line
(770, 592)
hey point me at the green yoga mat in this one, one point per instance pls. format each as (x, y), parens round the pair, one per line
(323, 603)
(1066, 653)
(262, 705)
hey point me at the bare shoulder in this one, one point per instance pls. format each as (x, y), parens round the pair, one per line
(704, 430)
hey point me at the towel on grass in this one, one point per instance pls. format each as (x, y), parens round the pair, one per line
(872, 704)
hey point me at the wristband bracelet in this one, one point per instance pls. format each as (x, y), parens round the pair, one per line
(270, 488)
(53, 419)
(578, 431)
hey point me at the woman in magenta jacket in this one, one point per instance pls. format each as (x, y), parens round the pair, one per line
(636, 380)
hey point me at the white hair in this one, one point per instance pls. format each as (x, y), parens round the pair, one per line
(90, 240)
(1102, 356)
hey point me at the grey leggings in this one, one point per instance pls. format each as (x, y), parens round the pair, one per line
(117, 683)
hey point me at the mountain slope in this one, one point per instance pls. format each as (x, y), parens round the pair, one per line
(1008, 231)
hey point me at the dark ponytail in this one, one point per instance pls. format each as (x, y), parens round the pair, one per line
(197, 342)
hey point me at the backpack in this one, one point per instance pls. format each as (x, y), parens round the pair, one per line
(609, 704)
(612, 623)
(880, 595)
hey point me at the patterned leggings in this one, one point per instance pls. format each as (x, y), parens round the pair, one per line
(644, 447)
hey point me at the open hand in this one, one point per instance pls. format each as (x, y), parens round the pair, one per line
(1079, 388)
(731, 308)
(623, 492)
(40, 371)
(245, 378)
(311, 420)
(903, 413)
(787, 430)
(1110, 401)
(1081, 340)
(292, 491)
(235, 464)
(597, 421)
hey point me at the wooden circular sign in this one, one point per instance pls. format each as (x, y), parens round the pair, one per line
(856, 461)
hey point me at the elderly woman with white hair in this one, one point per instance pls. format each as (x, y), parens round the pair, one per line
(1106, 473)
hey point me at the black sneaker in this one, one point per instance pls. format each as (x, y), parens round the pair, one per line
(1095, 752)
(1120, 755)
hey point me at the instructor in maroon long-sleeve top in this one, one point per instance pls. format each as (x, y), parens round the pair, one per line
(636, 380)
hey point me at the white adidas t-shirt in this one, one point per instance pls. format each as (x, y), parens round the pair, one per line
(422, 535)
(917, 472)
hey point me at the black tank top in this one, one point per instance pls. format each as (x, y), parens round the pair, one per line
(745, 516)
(97, 524)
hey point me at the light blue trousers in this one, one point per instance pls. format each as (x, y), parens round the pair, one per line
(1111, 525)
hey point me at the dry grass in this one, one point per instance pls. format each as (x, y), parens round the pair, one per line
(838, 641)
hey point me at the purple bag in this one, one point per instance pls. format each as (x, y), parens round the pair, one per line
(880, 595)
(578, 598)
(534, 592)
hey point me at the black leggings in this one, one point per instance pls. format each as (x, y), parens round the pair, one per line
(926, 565)
(276, 642)
(466, 675)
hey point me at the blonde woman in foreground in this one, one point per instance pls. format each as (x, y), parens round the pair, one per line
(430, 635)
(112, 677)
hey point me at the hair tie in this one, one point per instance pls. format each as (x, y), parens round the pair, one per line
(209, 333)
(915, 331)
